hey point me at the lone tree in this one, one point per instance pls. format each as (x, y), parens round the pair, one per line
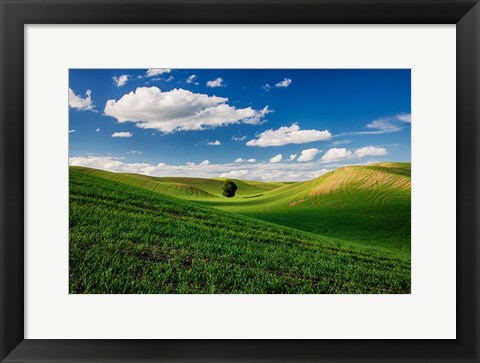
(229, 188)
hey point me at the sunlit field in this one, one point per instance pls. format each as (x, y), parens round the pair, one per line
(347, 231)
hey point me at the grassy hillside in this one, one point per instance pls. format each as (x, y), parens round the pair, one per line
(363, 204)
(182, 187)
(368, 205)
(175, 189)
(125, 239)
(246, 188)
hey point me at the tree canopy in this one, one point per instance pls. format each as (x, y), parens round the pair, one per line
(229, 188)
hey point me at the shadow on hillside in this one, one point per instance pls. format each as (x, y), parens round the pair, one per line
(253, 196)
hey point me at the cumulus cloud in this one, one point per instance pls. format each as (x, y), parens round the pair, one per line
(157, 71)
(122, 134)
(293, 157)
(253, 171)
(71, 131)
(336, 154)
(205, 162)
(370, 151)
(97, 130)
(276, 158)
(242, 160)
(191, 78)
(236, 174)
(121, 80)
(285, 83)
(178, 110)
(217, 82)
(289, 135)
(214, 143)
(308, 154)
(81, 104)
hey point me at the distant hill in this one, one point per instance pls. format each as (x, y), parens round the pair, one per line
(174, 189)
(183, 187)
(246, 188)
(355, 184)
(366, 205)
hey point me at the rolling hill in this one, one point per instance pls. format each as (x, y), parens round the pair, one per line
(129, 238)
(362, 204)
(367, 205)
(246, 188)
(174, 189)
(182, 187)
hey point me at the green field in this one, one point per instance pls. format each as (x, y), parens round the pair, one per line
(347, 231)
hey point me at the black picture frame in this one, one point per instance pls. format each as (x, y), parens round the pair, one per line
(17, 13)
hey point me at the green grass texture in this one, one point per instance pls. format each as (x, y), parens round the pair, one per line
(133, 234)
(368, 205)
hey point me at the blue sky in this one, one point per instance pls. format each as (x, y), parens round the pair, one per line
(278, 124)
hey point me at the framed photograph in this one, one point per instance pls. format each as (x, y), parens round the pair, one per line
(240, 181)
(205, 143)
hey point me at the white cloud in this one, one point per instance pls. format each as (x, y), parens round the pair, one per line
(289, 135)
(217, 82)
(242, 160)
(253, 171)
(97, 130)
(122, 134)
(121, 80)
(178, 110)
(82, 104)
(293, 157)
(382, 124)
(285, 83)
(191, 78)
(72, 131)
(214, 143)
(239, 138)
(336, 154)
(157, 79)
(135, 152)
(308, 154)
(276, 158)
(205, 162)
(157, 71)
(234, 174)
(370, 151)
(390, 124)
(404, 117)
